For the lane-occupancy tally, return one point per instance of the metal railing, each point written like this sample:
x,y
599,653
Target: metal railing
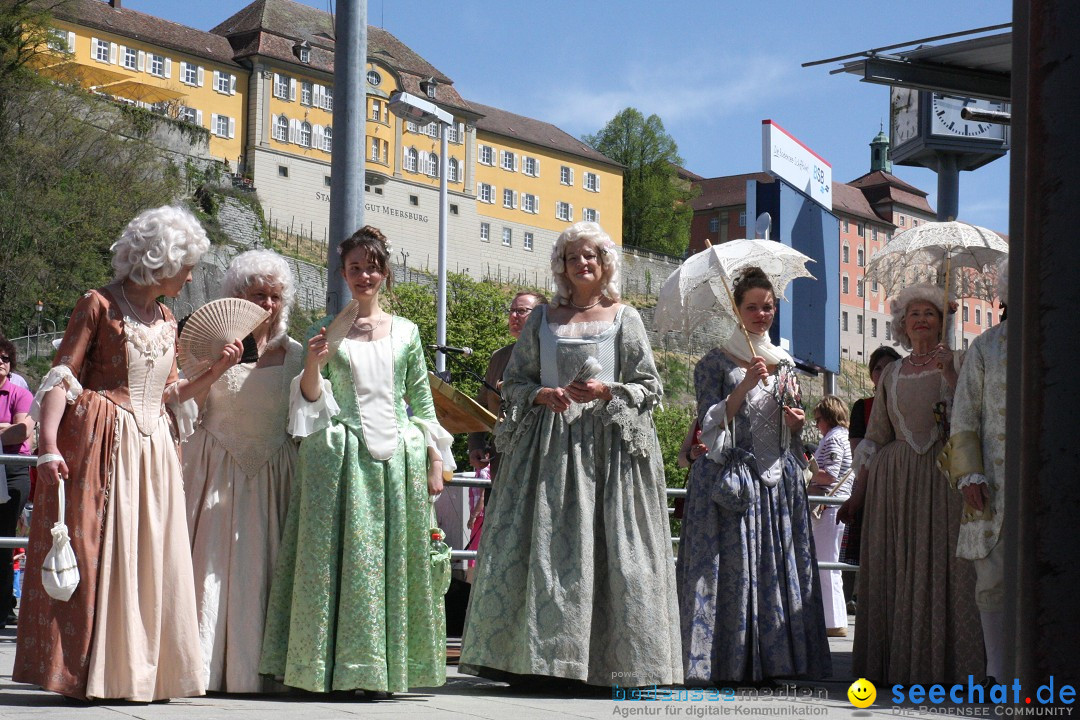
x,y
458,481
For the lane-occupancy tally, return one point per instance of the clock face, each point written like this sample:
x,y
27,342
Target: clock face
x,y
905,114
945,118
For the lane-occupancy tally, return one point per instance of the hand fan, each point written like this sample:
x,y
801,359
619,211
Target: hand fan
x,y
340,325
213,326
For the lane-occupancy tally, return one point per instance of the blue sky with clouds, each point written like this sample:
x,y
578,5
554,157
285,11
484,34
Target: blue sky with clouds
x,y
711,69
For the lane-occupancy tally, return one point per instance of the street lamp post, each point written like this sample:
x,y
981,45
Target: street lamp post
x,y
409,106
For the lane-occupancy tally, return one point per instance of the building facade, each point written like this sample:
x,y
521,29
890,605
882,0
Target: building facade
x,y
870,210
262,83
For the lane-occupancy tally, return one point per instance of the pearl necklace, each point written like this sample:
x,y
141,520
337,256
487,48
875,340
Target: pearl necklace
x,y
135,312
585,307
922,364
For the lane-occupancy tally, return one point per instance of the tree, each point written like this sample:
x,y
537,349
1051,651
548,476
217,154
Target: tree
x,y
656,202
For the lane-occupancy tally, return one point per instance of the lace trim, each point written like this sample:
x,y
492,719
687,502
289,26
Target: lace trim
x,y
863,455
152,342
892,399
59,375
580,329
972,479
634,421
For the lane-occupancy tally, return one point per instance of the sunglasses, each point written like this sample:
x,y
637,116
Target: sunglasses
x,y
5,358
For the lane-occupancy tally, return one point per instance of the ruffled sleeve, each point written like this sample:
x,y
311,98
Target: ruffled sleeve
x,y
307,417
639,389
418,393
59,375
186,415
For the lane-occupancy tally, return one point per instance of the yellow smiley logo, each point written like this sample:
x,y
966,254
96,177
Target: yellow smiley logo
x,y
862,693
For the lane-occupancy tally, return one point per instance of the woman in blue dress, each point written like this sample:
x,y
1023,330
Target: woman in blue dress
x,y
749,597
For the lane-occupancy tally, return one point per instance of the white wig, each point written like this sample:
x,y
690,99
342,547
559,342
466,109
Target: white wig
x,y
610,263
923,292
268,268
1003,281
157,244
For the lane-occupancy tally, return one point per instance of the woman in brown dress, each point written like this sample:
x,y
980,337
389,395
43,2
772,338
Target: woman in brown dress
x,y
130,630
915,621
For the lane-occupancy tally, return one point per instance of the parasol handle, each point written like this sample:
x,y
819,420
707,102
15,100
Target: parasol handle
x,y
945,306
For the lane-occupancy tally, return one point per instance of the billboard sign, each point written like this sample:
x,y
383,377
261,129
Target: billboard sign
x,y
785,157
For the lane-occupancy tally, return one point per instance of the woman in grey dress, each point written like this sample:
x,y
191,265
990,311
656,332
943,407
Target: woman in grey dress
x,y
748,582
575,578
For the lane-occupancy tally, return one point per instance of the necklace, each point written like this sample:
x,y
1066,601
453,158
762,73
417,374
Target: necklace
x,y
590,306
368,327
926,362
135,312
920,355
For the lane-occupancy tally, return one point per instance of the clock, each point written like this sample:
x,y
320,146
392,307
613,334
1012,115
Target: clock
x,y
905,114
946,120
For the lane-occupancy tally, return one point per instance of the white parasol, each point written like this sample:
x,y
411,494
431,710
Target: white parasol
x,y
699,291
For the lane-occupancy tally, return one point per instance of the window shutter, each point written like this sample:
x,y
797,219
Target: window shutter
x,y
71,42
119,54
112,53
168,67
183,71
571,176
217,73
232,127
93,48
213,123
316,136
232,84
515,199
198,117
142,61
292,89
536,205
404,157
293,130
200,76
570,217
517,162
598,184
494,193
536,167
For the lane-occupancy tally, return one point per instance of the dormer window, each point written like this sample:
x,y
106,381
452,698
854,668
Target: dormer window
x,y
374,78
428,87
302,50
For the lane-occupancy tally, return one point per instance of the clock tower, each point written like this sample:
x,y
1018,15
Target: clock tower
x,y
929,130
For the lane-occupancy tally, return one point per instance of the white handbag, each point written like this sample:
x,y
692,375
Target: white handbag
x,y
60,572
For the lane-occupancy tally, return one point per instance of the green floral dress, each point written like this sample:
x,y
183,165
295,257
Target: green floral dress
x,y
354,604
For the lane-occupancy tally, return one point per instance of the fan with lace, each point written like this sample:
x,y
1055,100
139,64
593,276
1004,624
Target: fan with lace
x,y
213,326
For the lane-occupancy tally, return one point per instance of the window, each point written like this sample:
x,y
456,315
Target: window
x,y
487,155
328,138
532,167
990,318
847,254
859,288
157,65
379,150
873,327
186,114
432,129
529,204
485,192
509,198
860,257
566,175
306,92
914,223
902,219
327,181
846,229
591,182
131,58
328,99
859,324
589,215
508,162
412,160
564,211
507,237
714,224
281,129
485,232
873,234
874,286
101,51
844,285
222,125
453,134
189,74
742,219
377,111
303,53
374,78
965,343
281,86
58,41
978,316
305,134
411,126
965,313
453,170
860,230
414,200
223,82
432,168
282,171
888,330
843,321
527,243
453,209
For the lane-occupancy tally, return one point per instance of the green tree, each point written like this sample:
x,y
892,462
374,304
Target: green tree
x,y
656,202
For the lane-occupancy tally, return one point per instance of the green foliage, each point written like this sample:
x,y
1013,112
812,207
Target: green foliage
x,y
71,177
671,426
656,209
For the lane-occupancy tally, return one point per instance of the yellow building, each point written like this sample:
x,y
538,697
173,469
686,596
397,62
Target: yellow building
x,y
137,58
262,83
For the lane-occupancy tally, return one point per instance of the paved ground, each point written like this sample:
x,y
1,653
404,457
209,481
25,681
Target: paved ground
x,y
462,696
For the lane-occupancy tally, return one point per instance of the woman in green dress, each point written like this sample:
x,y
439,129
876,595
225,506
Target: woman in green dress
x,y
353,605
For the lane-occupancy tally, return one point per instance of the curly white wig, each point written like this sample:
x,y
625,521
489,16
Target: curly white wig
x,y
157,244
1003,281
610,262
923,292
264,267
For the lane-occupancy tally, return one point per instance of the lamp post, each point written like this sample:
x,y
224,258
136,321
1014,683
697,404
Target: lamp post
x,y
408,106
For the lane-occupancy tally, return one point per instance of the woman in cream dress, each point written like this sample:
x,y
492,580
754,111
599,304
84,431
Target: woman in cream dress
x,y
130,630
238,468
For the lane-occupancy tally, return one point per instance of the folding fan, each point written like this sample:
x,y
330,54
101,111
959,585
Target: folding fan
x,y
213,326
339,327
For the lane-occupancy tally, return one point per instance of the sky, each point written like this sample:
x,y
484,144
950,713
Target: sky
x,y
712,70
